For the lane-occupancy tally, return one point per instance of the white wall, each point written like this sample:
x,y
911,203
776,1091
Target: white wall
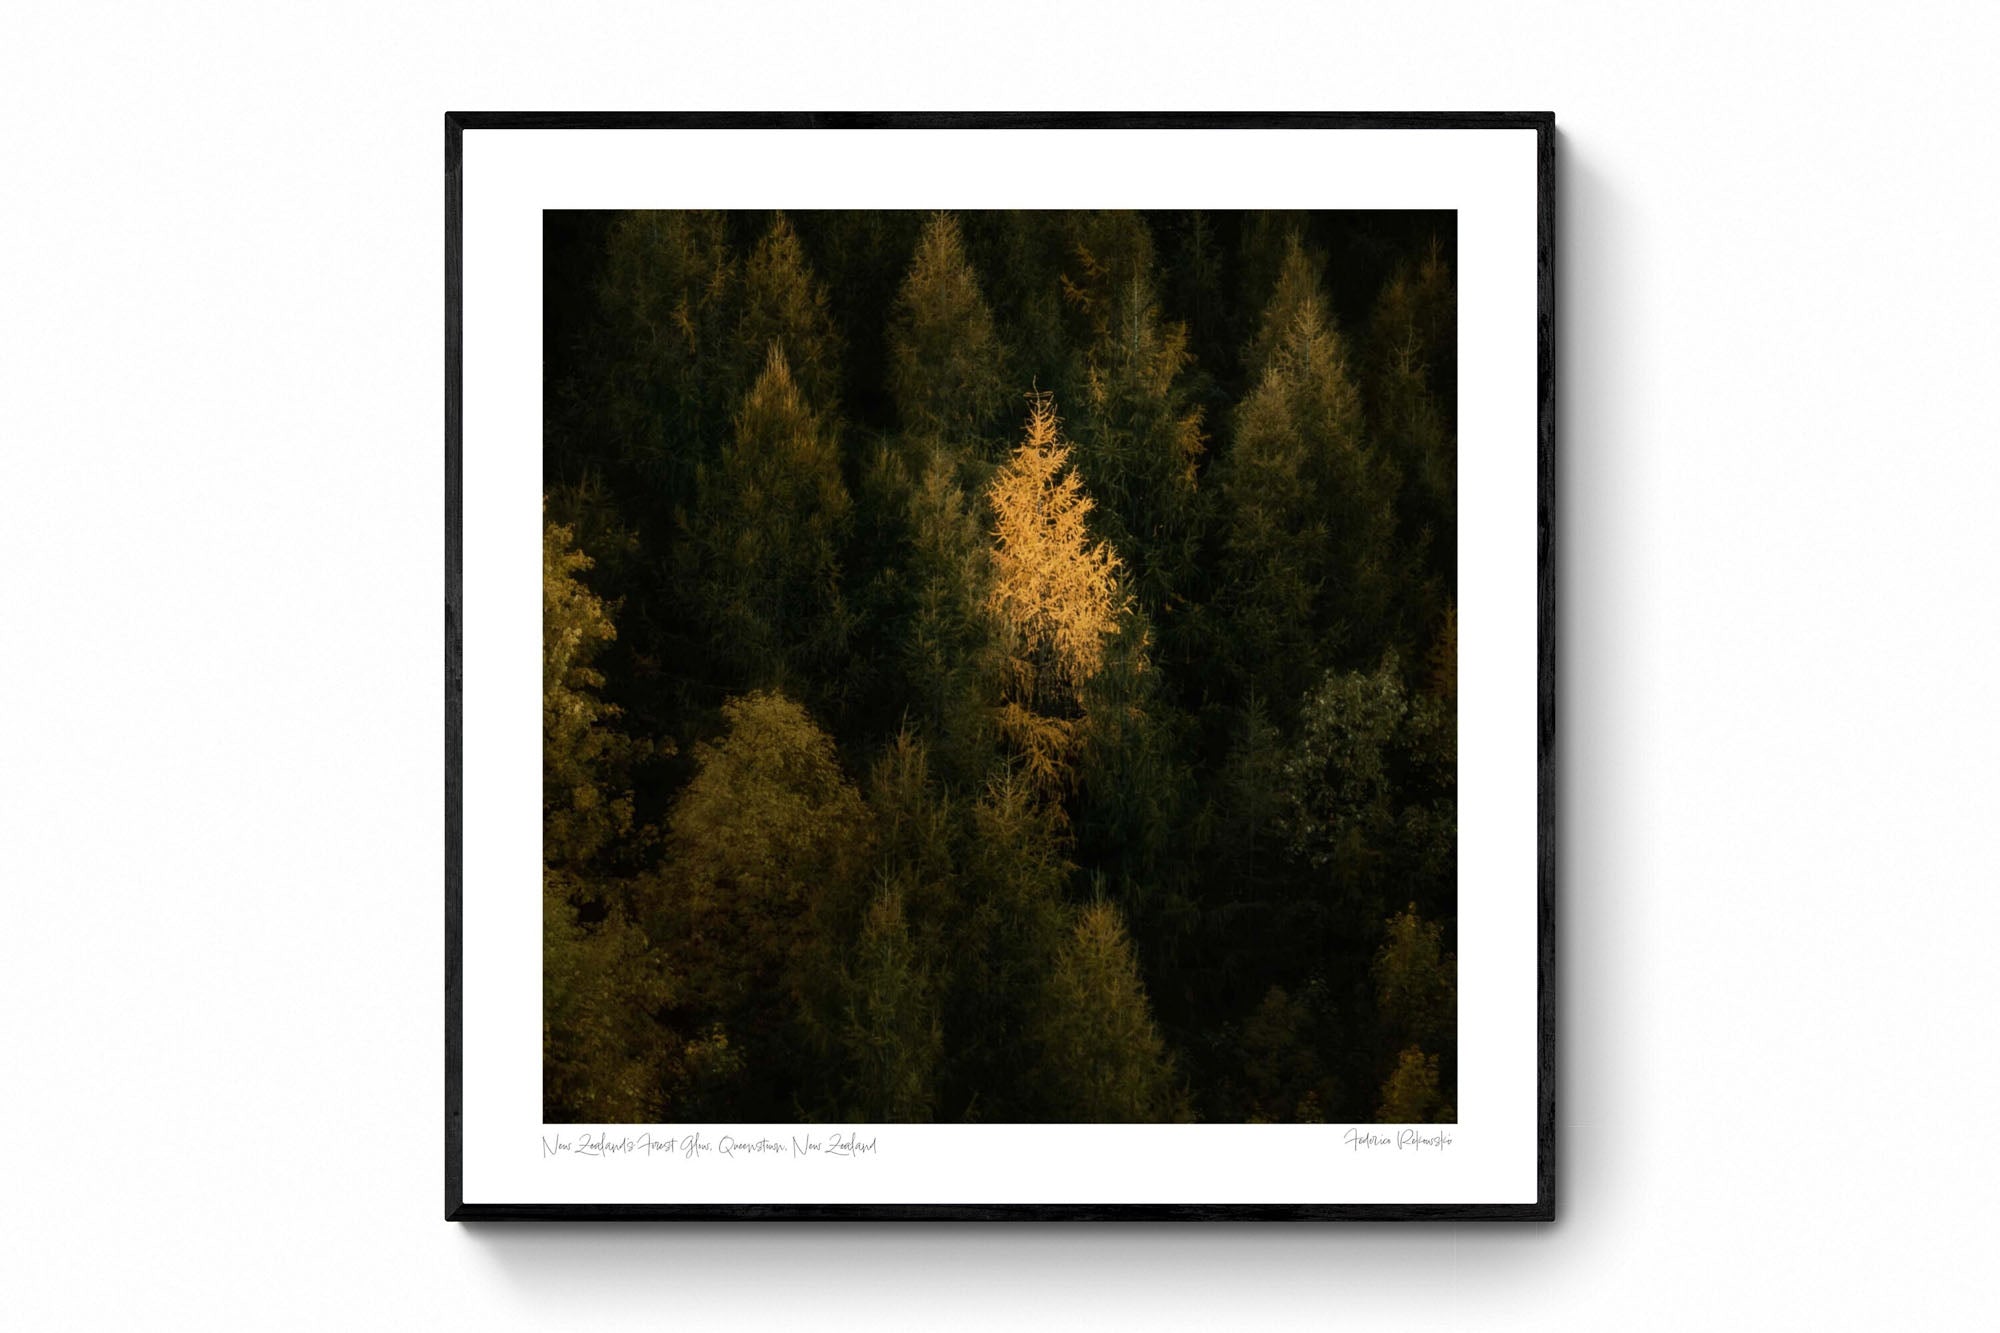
x,y
220,356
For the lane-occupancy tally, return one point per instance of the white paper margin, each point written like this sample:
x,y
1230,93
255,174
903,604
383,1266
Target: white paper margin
x,y
1488,176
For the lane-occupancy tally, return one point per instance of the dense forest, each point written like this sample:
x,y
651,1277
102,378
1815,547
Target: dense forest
x,y
999,667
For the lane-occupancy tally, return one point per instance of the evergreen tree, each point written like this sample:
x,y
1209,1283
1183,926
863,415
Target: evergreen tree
x,y
1275,270
1013,874
862,255
1199,269
918,831
1416,318
1021,254
1310,550
1139,437
889,1033
1416,981
1135,788
1102,1058
785,306
1297,297
665,374
1107,269
764,543
605,1058
1251,797
952,656
944,356
1413,390
767,849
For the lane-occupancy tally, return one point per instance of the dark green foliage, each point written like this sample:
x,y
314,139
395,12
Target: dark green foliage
x,y
1284,1073
1413,366
886,1026
766,859
1014,877
944,356
1101,1057
763,542
951,659
1311,557
785,307
1371,792
669,370
1138,430
913,753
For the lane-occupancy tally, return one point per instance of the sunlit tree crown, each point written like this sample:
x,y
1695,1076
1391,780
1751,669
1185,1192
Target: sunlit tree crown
x,y
1056,586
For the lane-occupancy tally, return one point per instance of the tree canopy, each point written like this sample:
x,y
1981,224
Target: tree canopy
x,y
999,666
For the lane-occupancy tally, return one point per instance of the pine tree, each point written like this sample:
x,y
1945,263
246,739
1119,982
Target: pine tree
x,y
785,306
1310,544
1134,784
889,1034
1199,266
952,655
1107,267
1416,317
945,359
1020,254
918,828
1003,945
1055,587
1279,274
765,539
767,849
1102,1058
666,374
1139,436
1412,374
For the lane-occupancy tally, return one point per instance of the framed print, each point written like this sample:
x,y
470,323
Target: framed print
x,y
1043,633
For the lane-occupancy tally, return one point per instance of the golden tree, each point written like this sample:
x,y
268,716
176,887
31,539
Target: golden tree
x,y
580,816
1057,591
1054,586
604,1056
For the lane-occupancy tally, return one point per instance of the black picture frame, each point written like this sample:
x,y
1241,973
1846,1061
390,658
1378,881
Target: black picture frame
x,y
456,124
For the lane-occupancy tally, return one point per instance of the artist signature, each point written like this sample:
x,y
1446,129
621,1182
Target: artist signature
x,y
1401,1140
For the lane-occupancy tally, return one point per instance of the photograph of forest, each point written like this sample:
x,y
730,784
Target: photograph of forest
x,y
999,667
